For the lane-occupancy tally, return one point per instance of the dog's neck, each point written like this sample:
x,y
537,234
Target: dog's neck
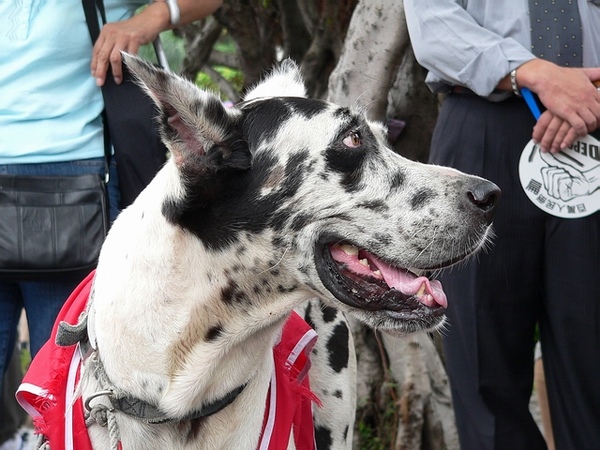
x,y
192,347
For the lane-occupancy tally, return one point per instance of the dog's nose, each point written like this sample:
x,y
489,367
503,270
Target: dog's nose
x,y
484,196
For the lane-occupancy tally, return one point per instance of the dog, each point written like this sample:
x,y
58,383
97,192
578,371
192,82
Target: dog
x,y
279,203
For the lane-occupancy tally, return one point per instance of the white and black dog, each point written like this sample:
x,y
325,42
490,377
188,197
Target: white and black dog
x,y
261,208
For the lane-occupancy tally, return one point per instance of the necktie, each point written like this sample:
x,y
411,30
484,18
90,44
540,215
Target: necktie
x,y
556,31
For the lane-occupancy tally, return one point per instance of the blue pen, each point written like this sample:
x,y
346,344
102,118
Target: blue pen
x,y
530,100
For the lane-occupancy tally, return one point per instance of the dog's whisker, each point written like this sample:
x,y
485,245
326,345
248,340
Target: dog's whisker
x,y
277,263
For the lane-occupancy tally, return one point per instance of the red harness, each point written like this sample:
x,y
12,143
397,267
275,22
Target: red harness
x,y
47,392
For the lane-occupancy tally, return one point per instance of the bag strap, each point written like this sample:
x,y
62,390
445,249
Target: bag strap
x,y
90,9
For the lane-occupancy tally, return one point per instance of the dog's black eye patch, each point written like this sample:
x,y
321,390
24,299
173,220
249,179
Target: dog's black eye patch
x,y
349,160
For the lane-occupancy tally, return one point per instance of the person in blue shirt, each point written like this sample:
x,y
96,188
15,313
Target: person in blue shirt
x,y
539,269
50,107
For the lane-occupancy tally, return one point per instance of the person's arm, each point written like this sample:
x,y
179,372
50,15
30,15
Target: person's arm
x,y
571,100
143,28
449,42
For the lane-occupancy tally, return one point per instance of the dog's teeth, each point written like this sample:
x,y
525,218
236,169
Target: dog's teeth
x,y
421,290
349,249
364,262
377,273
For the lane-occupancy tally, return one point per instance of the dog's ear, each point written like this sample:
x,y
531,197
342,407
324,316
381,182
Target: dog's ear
x,y
198,130
284,81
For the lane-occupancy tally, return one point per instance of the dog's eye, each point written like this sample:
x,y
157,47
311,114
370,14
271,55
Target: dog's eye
x,y
353,140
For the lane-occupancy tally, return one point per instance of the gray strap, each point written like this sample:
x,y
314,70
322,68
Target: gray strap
x,y
68,334
151,414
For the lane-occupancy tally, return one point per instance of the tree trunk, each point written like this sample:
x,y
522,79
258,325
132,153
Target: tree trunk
x,y
426,419
199,38
376,40
411,101
254,26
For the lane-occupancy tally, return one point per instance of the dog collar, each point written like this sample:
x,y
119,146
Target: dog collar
x,y
132,406
145,411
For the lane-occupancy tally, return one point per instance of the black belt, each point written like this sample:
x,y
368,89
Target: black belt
x,y
461,90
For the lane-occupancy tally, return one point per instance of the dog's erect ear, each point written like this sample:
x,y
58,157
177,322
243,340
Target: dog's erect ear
x,y
284,81
194,124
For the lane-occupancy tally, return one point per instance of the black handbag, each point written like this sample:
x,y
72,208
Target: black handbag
x,y
130,114
51,227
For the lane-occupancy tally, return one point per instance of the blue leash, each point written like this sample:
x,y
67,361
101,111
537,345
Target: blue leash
x,y
530,100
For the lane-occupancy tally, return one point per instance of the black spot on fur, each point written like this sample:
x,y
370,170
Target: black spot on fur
x,y
338,394
421,198
374,205
294,176
190,430
300,221
308,108
279,219
383,238
265,117
213,333
232,294
329,313
308,316
286,289
343,113
323,438
398,180
337,348
324,176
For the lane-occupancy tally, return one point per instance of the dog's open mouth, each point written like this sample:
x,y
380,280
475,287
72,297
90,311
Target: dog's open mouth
x,y
362,280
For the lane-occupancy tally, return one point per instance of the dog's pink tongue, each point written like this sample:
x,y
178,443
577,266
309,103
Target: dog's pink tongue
x,y
428,292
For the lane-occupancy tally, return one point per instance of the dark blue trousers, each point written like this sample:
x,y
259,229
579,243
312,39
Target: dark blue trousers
x,y
540,269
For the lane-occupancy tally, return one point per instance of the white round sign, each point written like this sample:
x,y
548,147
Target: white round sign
x,y
565,184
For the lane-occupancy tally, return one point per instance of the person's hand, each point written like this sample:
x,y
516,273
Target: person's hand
x,y
125,36
143,28
553,134
571,100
